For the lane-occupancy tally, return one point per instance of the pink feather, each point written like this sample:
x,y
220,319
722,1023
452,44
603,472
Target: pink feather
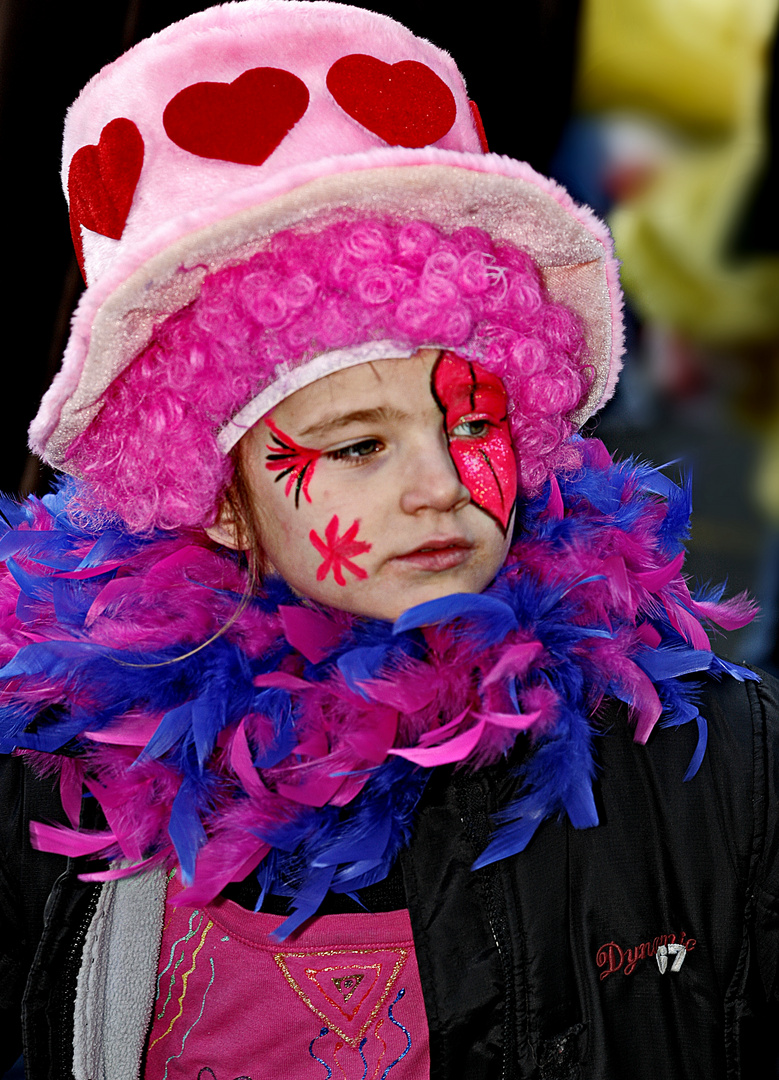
x,y
554,508
135,732
655,580
649,635
71,787
512,721
241,761
372,743
63,841
282,681
729,614
117,872
310,632
622,594
113,801
90,571
412,691
219,864
515,662
646,704
448,753
315,790
316,745
687,625
438,734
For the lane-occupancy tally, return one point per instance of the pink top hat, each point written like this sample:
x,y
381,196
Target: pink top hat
x,y
191,150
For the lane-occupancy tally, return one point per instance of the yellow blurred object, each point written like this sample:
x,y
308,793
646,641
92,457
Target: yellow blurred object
x,y
691,61
673,240
767,478
700,67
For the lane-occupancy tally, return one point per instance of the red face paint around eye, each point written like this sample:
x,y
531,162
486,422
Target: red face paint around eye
x,y
337,551
475,407
289,459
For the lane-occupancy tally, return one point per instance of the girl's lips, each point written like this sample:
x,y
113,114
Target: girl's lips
x,y
437,555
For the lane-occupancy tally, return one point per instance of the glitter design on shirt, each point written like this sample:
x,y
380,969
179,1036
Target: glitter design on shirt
x,y
314,976
401,993
182,1002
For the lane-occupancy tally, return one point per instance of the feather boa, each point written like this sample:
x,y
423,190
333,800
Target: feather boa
x,y
224,734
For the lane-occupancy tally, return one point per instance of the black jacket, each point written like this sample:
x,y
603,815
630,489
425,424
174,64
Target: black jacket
x,y
646,947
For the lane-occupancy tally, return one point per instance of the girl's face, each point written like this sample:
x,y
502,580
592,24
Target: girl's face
x,y
387,484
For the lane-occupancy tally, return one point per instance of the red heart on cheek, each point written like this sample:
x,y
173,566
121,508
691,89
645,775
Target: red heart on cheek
x,y
405,104
242,121
101,182
475,406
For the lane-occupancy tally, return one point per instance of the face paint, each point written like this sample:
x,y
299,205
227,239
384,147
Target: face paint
x,y
336,551
292,460
475,406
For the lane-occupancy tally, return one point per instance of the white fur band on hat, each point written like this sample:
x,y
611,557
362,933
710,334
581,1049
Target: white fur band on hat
x,y
294,379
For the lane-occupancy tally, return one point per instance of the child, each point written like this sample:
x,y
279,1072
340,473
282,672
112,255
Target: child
x,y
340,645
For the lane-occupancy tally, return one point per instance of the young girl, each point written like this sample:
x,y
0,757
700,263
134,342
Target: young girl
x,y
339,642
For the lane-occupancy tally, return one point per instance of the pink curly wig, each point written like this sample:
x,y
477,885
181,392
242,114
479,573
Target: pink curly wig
x,y
152,456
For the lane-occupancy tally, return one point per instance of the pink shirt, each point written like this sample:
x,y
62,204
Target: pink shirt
x,y
341,999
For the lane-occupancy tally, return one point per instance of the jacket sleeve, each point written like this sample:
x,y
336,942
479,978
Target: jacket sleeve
x,y
26,879
765,886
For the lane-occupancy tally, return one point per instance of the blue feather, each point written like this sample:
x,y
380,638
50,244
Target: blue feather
x,y
354,847
277,706
677,713
31,585
670,663
73,598
186,829
361,665
46,548
209,717
700,749
307,901
509,840
49,738
580,804
110,545
491,618
652,479
737,671
172,728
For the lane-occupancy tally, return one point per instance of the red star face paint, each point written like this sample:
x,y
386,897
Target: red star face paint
x,y
292,460
337,551
475,408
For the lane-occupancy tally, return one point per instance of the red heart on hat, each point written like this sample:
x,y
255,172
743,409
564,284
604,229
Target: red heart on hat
x,y
405,104
242,121
101,182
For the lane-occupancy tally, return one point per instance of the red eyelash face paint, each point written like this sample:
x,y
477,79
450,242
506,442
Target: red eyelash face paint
x,y
468,394
292,460
337,551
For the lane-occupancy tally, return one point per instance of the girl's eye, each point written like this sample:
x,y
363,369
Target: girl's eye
x,y
356,451
470,429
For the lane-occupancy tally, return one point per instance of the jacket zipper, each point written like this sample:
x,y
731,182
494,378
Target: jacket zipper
x,y
67,999
474,815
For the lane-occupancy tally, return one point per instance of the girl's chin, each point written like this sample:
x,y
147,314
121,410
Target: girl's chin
x,y
389,609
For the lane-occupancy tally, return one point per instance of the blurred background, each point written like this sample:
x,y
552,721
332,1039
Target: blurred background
x,y
660,114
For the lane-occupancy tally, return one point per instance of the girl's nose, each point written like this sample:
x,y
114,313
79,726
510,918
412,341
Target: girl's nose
x,y
432,482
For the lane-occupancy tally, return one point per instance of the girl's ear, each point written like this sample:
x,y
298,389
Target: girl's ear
x,y
227,530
